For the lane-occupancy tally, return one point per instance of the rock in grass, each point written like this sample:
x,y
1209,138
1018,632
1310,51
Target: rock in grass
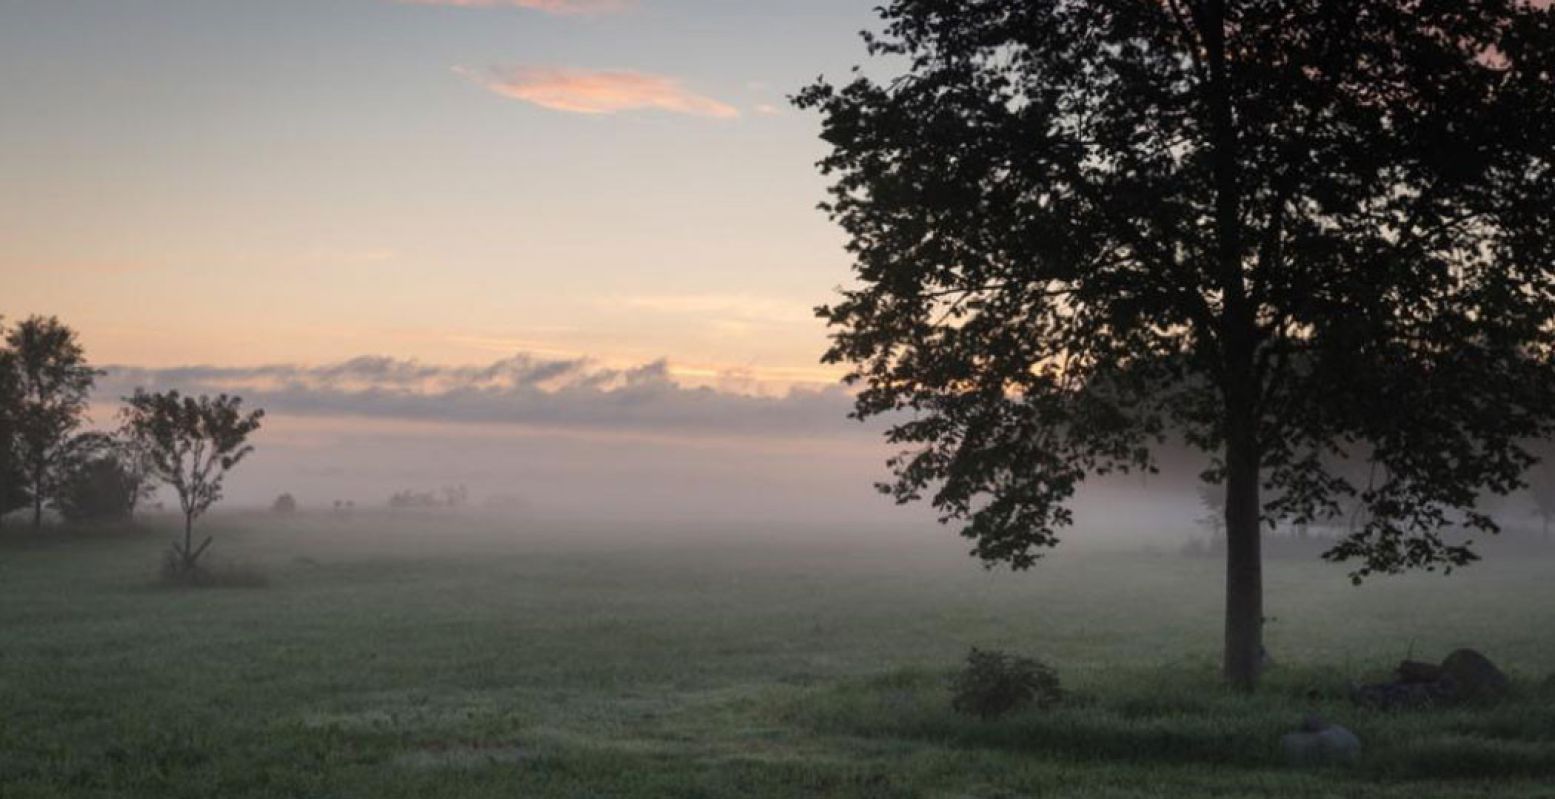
x,y
1475,676
1319,743
1405,695
1414,671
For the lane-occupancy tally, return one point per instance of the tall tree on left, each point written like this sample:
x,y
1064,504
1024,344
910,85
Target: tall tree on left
x,y
53,384
13,494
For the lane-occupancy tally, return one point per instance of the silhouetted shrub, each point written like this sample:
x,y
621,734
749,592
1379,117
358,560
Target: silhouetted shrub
x,y
285,503
177,573
98,488
993,684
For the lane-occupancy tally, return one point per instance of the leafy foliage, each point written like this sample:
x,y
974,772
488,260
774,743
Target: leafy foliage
x,y
1318,235
994,684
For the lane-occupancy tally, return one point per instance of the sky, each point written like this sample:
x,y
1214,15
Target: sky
x,y
305,181
562,251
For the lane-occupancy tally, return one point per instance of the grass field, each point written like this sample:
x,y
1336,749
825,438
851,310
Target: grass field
x,y
432,656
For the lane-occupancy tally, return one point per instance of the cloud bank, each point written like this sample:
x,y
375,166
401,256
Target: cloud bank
x,y
564,394
596,92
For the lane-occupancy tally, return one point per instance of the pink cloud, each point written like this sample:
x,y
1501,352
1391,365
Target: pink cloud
x,y
548,6
582,91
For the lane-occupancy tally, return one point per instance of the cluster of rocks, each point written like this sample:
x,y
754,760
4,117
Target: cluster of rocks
x,y
1464,675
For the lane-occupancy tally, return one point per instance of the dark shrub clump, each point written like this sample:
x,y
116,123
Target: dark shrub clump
x,y
994,683
176,573
100,490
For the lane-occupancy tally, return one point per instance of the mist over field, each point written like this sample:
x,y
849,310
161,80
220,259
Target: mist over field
x,y
566,438
530,437
801,478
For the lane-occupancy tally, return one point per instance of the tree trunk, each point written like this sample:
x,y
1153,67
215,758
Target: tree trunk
x,y
1240,382
1244,565
188,541
37,490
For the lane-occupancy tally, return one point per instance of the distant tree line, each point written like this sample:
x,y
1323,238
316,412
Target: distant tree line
x,y
48,461
450,497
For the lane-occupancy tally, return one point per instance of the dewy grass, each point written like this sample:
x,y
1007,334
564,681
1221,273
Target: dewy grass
x,y
452,657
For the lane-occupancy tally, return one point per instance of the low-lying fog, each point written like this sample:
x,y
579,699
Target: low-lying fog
x,y
570,438
544,438
797,481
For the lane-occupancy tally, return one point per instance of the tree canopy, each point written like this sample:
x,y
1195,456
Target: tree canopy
x,y
1300,234
49,386
190,444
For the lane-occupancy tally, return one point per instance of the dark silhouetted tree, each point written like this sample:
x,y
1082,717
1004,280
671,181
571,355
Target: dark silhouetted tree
x,y
190,444
13,491
53,382
1295,232
285,503
100,482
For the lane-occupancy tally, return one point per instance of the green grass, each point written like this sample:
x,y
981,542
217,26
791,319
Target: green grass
x,y
427,656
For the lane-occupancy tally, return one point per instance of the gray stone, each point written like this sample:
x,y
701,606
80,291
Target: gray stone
x,y
1405,695
1475,676
1414,671
1319,743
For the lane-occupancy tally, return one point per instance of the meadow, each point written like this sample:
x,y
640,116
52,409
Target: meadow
x,y
440,655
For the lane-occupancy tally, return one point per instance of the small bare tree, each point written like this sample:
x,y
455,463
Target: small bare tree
x,y
190,444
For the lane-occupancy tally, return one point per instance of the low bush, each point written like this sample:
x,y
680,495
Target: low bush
x,y
177,574
98,490
994,684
